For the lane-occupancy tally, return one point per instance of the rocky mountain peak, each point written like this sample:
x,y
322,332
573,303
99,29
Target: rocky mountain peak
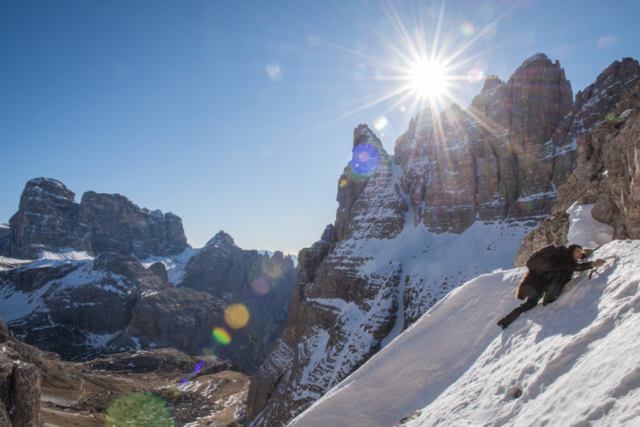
x,y
221,239
49,186
490,83
537,60
49,219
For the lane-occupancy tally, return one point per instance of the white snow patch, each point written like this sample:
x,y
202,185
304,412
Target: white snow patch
x,y
100,341
626,113
586,231
60,257
174,264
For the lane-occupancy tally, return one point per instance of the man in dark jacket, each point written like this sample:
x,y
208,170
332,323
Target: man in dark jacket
x,y
548,279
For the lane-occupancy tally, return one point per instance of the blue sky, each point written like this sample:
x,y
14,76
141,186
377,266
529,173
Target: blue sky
x,y
239,115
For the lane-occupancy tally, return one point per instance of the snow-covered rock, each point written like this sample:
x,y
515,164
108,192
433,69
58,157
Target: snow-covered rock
x,y
80,306
570,363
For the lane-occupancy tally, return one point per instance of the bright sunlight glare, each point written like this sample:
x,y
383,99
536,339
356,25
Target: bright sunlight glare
x,y
428,78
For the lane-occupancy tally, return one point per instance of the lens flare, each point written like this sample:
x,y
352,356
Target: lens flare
x,y
380,123
466,29
489,31
139,409
274,72
260,287
403,109
343,182
365,159
475,75
606,42
198,367
209,354
481,65
274,272
221,336
236,316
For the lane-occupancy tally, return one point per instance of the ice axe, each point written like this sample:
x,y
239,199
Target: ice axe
x,y
614,257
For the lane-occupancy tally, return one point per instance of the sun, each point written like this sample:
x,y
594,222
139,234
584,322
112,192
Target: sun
x,y
428,78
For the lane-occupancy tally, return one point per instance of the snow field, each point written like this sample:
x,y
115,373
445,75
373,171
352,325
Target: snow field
x,y
572,363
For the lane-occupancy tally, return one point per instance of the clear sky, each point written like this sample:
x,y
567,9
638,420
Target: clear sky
x,y
239,115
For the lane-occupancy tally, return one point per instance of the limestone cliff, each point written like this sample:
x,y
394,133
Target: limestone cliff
x,y
49,219
463,166
607,175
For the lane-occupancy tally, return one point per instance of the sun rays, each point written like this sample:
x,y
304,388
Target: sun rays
x,y
429,79
423,62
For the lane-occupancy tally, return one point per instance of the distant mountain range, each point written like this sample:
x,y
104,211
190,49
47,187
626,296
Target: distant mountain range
x,y
104,275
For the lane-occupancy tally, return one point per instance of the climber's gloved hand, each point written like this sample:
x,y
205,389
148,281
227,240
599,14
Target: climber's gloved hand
x,y
586,252
598,263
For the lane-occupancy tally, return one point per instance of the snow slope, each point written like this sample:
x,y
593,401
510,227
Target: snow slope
x,y
573,362
175,264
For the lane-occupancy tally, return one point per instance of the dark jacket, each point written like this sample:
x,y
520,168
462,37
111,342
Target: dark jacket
x,y
556,269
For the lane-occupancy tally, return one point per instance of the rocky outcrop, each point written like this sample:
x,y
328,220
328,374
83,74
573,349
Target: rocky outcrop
x,y
5,240
184,319
20,383
607,175
558,156
49,219
81,309
262,283
360,213
338,314
116,224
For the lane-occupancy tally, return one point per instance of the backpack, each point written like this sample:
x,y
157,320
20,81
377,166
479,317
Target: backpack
x,y
535,261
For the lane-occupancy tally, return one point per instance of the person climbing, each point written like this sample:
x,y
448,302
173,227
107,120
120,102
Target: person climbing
x,y
549,270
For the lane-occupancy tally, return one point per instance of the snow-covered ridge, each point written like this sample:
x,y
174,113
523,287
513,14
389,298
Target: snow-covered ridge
x,y
174,264
570,363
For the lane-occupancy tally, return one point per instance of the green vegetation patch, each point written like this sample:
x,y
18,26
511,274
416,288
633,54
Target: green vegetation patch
x,y
139,410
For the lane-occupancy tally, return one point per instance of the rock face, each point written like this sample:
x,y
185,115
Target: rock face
x,y
557,158
262,283
462,191
49,219
473,164
607,175
84,308
20,383
359,212
116,224
5,240
329,286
